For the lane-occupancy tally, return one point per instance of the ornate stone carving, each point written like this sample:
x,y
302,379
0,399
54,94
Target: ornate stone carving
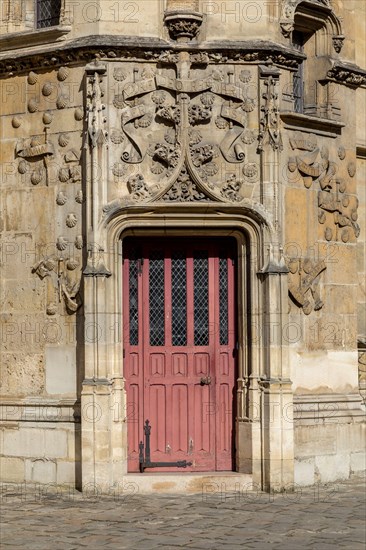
x,y
67,288
347,74
33,105
119,74
47,117
16,121
314,166
84,52
43,267
61,243
47,89
351,169
231,189
183,25
79,114
184,190
344,210
304,276
79,242
188,107
36,149
32,78
341,152
63,140
71,220
137,187
287,19
269,132
62,102
95,106
61,198
79,197
62,73
338,42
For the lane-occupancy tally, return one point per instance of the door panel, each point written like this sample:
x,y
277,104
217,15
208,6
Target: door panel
x,y
179,343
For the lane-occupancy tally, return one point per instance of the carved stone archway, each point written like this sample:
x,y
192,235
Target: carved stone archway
x,y
264,435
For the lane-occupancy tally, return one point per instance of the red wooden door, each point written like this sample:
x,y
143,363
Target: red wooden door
x,y
179,343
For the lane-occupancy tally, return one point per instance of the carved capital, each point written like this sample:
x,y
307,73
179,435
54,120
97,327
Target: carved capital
x,y
183,25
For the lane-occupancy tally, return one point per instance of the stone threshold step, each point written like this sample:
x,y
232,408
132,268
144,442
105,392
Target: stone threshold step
x,y
190,482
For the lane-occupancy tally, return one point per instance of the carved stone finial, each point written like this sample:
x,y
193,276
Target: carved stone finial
x,y
183,25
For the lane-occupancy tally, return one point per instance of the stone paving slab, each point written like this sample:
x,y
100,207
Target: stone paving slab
x,y
325,516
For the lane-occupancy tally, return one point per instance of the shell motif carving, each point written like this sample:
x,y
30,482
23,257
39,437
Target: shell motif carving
x,y
72,264
250,170
61,198
119,74
64,174
32,106
119,169
62,102
22,167
351,169
62,73
36,177
47,89
63,140
16,122
117,137
47,118
71,220
79,197
61,243
79,114
341,152
32,78
79,242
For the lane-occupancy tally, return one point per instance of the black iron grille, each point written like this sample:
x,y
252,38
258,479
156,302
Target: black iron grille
x,y
156,298
133,296
179,299
48,13
223,298
200,271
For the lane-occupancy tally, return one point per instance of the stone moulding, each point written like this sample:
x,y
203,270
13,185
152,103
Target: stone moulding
x,y
86,49
347,74
321,10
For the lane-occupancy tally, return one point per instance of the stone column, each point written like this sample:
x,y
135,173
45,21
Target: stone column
x,y
275,383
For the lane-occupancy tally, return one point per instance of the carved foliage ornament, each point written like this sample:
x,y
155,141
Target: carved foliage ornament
x,y
196,126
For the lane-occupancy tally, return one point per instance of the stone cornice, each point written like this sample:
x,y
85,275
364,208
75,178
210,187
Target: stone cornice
x,y
29,38
115,47
347,74
321,126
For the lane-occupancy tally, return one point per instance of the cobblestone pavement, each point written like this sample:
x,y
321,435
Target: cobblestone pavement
x,y
331,516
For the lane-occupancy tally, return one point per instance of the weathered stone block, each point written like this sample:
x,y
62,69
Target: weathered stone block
x,y
332,467
304,472
11,469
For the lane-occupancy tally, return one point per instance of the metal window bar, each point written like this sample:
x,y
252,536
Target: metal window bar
x,y
48,13
298,76
157,298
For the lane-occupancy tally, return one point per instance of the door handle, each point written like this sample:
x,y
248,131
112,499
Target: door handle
x,y
205,381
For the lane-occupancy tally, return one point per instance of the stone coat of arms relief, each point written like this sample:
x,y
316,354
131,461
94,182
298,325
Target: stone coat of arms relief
x,y
185,132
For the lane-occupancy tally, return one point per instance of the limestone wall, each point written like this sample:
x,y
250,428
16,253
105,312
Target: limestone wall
x,y
97,130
